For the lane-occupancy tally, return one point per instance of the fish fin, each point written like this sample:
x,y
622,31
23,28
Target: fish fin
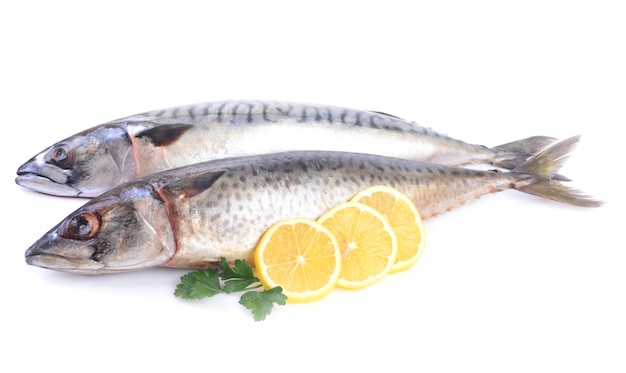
x,y
515,153
544,166
191,186
385,114
556,191
166,134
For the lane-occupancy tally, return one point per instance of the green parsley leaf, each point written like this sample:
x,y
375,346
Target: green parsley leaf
x,y
232,286
240,270
199,284
261,302
237,278
240,277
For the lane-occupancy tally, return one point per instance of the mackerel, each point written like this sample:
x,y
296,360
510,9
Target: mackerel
x,y
95,160
191,217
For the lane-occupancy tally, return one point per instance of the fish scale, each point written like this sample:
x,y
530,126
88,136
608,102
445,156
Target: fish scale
x,y
237,112
227,219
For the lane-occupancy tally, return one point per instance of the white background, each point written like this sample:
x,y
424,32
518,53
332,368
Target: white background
x,y
508,283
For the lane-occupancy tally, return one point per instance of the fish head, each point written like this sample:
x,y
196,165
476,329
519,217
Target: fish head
x,y
83,165
124,230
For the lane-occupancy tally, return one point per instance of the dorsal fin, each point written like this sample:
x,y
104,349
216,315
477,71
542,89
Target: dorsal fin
x,y
381,113
166,134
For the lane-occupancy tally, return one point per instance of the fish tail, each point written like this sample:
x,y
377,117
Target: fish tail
x,y
546,182
514,154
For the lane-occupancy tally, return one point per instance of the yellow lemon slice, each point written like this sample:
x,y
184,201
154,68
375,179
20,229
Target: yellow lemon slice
x,y
366,241
301,256
404,219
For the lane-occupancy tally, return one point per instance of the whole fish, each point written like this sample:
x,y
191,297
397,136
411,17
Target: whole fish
x,y
191,217
110,154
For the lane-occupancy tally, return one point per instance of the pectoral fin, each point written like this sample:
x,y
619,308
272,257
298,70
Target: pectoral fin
x,y
193,185
166,134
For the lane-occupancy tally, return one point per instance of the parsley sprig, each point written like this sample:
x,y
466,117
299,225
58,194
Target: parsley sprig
x,y
226,279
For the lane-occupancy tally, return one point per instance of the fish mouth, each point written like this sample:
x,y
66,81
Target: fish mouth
x,y
48,253
54,253
75,266
45,178
63,264
46,185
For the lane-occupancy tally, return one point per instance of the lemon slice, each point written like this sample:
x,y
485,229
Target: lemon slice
x,y
404,219
301,256
366,241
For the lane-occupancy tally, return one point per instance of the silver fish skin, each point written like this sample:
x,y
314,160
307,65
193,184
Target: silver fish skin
x,y
191,217
93,161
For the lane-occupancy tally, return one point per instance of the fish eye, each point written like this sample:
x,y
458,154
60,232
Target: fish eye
x,y
83,226
61,156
